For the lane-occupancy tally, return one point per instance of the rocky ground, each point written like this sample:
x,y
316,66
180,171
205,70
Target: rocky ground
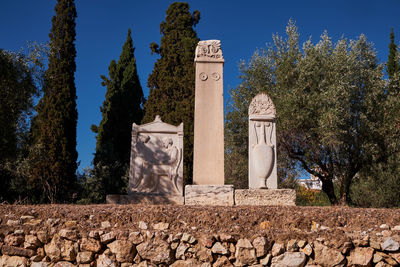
x,y
144,235
277,222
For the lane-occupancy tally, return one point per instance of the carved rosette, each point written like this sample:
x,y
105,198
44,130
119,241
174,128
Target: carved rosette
x,y
262,105
209,50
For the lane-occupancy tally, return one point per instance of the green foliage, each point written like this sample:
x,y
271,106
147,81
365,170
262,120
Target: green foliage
x,y
53,155
171,83
333,109
392,65
20,80
121,107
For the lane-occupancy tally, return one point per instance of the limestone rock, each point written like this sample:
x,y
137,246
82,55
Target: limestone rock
x,y
396,228
69,234
13,261
53,249
180,251
277,249
379,256
63,264
185,263
105,261
13,222
327,256
43,236
261,245
289,259
108,237
161,226
301,243
395,256
307,250
245,253
124,250
143,225
136,238
361,256
226,238
218,248
14,240
204,254
90,244
188,238
69,250
70,224
382,264
105,224
292,246
155,250
222,262
33,222
390,245
384,227
31,242
39,264
17,251
266,260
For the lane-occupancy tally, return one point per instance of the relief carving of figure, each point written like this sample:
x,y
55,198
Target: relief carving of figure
x,y
152,165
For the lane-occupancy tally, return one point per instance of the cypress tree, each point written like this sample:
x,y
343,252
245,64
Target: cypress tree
x,y
392,65
121,107
54,155
172,81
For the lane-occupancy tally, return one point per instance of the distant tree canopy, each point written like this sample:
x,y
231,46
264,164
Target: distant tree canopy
x,y
171,83
122,106
53,157
335,112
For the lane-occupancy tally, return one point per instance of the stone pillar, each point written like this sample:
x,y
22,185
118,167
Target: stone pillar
x,y
208,158
262,143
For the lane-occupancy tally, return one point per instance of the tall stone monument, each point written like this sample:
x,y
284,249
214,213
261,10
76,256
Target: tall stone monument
x,y
263,178
262,143
208,159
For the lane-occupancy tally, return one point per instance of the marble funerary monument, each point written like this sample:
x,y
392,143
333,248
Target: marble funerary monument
x,y
156,166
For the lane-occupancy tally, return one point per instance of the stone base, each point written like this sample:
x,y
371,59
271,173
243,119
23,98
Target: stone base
x,y
265,197
213,195
145,198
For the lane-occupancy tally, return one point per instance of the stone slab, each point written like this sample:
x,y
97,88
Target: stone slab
x,y
213,195
145,198
265,197
208,150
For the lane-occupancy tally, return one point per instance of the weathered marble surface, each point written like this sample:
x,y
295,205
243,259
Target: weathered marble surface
x,y
262,143
214,195
208,154
156,164
265,197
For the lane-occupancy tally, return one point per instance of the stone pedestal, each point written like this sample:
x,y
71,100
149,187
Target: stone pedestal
x,y
265,197
208,158
213,195
145,198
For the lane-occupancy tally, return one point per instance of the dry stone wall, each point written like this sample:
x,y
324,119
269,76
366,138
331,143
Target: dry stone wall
x,y
62,244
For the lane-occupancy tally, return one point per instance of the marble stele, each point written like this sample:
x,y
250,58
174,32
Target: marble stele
x,y
156,164
262,143
208,154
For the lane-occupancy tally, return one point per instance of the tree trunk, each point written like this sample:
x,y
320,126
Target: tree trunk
x,y
345,190
327,187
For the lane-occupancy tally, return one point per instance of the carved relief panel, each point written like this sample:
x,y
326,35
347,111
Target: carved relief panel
x,y
262,143
156,164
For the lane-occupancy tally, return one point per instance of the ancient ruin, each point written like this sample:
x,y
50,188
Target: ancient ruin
x,y
262,143
208,159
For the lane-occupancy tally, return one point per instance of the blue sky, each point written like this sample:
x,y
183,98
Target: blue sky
x,y
242,27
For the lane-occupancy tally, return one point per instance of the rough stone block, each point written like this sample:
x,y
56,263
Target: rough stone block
x,y
265,197
145,198
216,195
